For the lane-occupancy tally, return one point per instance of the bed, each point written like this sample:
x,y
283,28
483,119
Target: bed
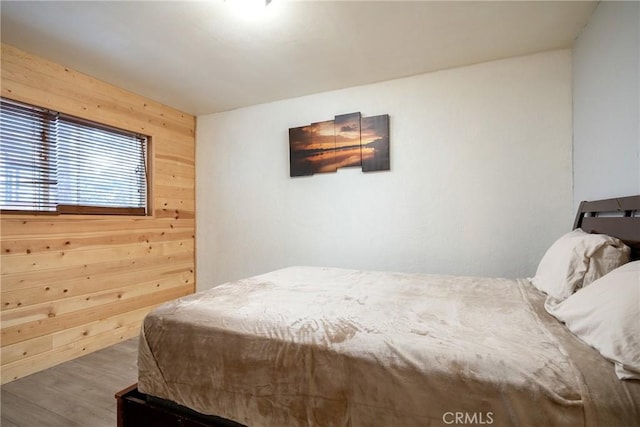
x,y
334,347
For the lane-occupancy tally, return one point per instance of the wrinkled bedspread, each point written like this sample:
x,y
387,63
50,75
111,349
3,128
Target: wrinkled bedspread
x,y
308,346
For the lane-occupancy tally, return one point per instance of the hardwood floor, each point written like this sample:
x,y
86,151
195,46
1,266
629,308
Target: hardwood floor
x,y
76,393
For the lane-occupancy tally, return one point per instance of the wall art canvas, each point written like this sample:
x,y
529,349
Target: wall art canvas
x,y
375,143
347,127
348,140
312,149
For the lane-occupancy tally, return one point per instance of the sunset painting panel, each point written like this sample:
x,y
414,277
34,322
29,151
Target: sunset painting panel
x,y
312,149
375,143
347,128
348,140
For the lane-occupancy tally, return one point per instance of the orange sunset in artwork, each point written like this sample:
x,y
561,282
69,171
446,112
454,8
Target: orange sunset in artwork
x,y
375,143
347,128
312,149
348,140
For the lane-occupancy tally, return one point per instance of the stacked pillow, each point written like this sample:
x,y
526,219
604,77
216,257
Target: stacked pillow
x,y
606,315
595,291
577,259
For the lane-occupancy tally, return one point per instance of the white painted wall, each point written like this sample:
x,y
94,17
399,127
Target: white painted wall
x,y
606,104
480,180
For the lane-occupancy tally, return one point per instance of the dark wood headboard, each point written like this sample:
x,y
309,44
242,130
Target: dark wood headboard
x,y
615,217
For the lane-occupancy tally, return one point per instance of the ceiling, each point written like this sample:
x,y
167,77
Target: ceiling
x,y
200,57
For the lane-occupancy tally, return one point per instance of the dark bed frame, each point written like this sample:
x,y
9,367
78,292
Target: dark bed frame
x,y
618,217
615,217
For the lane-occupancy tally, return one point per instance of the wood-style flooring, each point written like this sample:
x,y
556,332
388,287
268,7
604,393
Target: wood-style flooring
x,y
76,393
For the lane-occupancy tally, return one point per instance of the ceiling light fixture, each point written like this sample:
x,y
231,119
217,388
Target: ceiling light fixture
x,y
249,9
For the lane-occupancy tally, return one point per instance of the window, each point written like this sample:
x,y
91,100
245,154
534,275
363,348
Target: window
x,y
52,162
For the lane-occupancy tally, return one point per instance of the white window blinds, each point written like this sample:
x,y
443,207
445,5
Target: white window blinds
x,y
52,162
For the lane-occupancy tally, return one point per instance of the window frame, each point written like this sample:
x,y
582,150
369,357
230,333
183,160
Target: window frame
x,y
80,209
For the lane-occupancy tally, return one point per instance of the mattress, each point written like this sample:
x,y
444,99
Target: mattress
x,y
307,346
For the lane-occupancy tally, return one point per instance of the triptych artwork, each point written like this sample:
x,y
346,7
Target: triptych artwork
x,y
346,141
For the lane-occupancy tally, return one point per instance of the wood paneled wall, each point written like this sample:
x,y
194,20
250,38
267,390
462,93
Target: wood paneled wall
x,y
74,284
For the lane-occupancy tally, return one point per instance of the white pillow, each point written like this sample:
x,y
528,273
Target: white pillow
x,y
606,315
577,259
